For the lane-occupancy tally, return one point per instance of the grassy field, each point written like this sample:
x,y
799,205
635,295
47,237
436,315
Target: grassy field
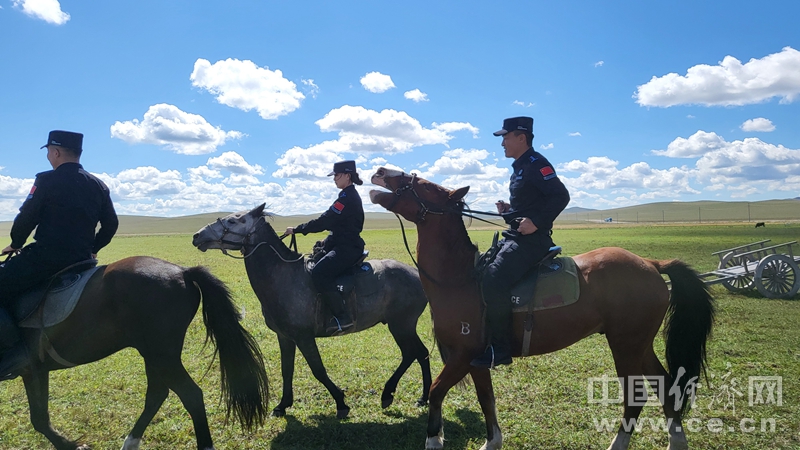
x,y
542,401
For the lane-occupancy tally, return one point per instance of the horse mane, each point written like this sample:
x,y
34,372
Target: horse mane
x,y
462,233
274,239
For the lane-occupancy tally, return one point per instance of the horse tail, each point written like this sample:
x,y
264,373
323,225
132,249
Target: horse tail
x,y
242,373
690,320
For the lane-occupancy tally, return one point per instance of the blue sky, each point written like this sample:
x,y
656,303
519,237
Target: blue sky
x,y
199,106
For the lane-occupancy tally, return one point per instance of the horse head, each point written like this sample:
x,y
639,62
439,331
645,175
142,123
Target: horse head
x,y
232,232
413,197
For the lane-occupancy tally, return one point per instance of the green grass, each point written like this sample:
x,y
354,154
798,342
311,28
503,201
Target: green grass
x,y
541,400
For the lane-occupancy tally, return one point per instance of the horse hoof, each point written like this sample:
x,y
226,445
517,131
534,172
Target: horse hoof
x,y
421,403
278,412
387,402
342,413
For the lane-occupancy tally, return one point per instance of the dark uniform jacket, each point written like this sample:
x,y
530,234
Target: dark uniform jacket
x,y
65,206
344,219
536,193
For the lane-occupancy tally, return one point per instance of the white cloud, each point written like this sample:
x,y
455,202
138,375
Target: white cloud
x,y
416,95
523,104
602,173
729,83
695,146
47,10
313,89
246,86
758,124
546,147
599,63
178,131
364,130
377,82
313,163
576,133
235,163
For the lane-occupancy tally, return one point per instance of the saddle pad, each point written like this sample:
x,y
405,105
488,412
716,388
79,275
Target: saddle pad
x,y
366,278
59,303
553,289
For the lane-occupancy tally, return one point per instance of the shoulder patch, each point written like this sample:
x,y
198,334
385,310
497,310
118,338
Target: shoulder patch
x,y
342,194
533,158
547,172
337,207
30,194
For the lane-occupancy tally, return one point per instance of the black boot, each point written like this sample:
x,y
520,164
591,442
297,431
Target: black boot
x,y
341,320
499,350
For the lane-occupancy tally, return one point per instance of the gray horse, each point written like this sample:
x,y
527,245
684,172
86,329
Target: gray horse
x,y
392,295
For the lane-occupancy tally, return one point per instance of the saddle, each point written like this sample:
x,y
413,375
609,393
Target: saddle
x,y
52,302
551,283
345,282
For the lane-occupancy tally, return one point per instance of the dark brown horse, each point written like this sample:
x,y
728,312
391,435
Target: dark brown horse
x,y
148,304
292,310
621,295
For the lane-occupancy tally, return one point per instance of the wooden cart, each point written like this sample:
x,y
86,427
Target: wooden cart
x,y
771,269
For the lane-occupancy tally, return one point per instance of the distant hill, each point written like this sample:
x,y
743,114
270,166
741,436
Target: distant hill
x,y
664,212
578,209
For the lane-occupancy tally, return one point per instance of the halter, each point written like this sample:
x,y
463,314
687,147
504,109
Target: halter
x,y
424,208
245,241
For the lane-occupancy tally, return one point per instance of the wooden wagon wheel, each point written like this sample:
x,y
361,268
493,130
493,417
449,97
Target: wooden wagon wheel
x,y
740,283
776,276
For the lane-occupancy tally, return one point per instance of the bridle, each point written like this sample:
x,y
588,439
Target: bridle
x,y
246,238
424,208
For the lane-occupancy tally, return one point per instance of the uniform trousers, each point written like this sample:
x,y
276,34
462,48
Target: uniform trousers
x,y
334,263
31,267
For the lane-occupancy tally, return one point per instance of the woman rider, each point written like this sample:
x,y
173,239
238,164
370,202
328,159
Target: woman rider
x,y
344,246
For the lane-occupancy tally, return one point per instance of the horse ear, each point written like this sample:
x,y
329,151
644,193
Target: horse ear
x,y
459,193
259,210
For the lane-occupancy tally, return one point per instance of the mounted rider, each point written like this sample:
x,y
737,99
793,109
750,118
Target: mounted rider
x,y
64,206
537,197
343,247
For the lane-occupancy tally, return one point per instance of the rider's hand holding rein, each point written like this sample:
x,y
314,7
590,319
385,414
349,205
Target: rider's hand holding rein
x,y
289,230
9,250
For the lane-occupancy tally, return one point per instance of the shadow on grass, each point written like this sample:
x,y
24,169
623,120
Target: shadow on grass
x,y
329,433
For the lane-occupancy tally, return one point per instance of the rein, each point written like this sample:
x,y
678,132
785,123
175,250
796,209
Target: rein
x,y
405,241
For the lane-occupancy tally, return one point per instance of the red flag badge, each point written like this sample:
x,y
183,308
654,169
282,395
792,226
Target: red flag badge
x,y
546,170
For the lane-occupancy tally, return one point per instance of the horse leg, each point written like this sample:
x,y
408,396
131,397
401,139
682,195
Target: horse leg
x,y
483,387
456,368
677,437
411,348
37,387
157,392
288,350
308,347
628,359
178,380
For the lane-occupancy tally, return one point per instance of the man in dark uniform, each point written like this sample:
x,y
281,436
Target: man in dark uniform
x,y
64,205
537,197
343,246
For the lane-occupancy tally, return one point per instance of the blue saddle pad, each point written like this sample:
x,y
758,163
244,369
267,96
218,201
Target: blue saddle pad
x,y
59,300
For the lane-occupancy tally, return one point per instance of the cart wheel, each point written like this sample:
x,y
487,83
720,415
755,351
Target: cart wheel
x,y
776,276
738,284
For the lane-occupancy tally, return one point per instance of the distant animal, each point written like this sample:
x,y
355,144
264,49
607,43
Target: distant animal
x,y
148,304
292,309
761,224
621,295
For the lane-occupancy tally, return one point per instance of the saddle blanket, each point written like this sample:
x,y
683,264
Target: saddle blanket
x,y
58,303
556,286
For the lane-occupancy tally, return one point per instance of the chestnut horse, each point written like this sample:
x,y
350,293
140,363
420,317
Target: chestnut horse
x,y
621,295
148,304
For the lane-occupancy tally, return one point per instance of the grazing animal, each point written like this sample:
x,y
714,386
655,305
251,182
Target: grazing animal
x,y
148,304
293,311
760,224
621,295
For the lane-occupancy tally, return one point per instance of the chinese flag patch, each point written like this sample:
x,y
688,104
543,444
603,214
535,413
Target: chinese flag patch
x,y
546,170
338,206
33,189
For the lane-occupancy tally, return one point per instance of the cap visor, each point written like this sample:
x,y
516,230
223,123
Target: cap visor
x,y
500,133
45,145
332,173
